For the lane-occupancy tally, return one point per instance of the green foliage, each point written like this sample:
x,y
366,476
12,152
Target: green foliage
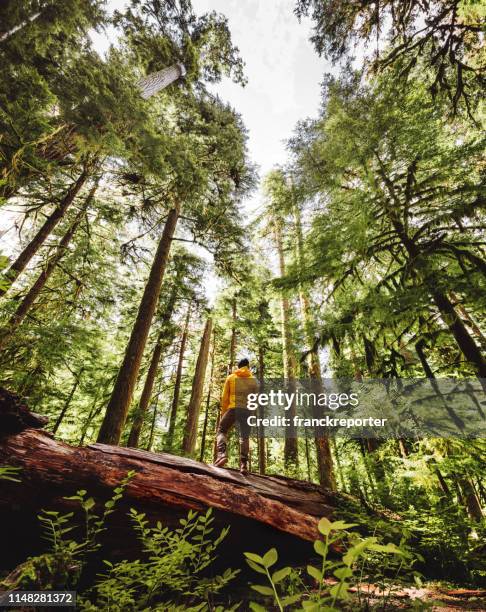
x,y
333,578
410,36
70,544
8,472
172,569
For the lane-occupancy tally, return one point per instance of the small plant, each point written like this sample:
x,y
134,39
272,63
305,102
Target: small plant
x,y
172,569
333,578
8,472
61,566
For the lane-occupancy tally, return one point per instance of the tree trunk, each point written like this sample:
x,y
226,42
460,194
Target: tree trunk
x,y
190,433
42,234
29,299
232,355
325,465
471,499
208,401
22,24
291,452
162,342
464,340
68,401
261,431
119,404
139,418
467,317
177,384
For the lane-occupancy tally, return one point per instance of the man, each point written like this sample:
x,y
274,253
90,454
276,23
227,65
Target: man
x,y
233,410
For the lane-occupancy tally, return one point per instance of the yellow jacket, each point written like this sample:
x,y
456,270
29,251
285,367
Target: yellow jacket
x,y
236,389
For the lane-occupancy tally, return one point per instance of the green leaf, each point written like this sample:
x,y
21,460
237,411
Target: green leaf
x,y
314,572
355,551
339,525
343,572
387,548
256,607
89,503
320,548
280,574
288,601
312,606
325,526
340,590
254,557
264,590
254,566
270,557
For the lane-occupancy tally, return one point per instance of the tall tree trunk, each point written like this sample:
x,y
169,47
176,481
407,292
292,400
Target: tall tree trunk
x,y
261,430
163,341
464,340
96,408
139,418
29,299
471,499
190,433
291,452
232,355
339,467
325,465
468,496
119,404
465,314
208,401
42,234
177,384
152,425
22,24
68,401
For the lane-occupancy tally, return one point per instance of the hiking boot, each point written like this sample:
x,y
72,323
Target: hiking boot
x,y
221,460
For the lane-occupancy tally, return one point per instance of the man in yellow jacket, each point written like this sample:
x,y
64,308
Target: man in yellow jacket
x,y
234,410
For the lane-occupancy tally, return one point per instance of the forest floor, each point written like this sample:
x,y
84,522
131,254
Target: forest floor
x,y
436,595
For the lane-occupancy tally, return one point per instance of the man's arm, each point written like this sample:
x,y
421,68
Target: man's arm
x,y
225,397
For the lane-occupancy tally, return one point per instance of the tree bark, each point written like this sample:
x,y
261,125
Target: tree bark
x,y
45,230
29,299
325,465
119,404
291,452
472,503
190,433
464,340
232,355
162,342
177,384
208,401
68,401
261,432
139,418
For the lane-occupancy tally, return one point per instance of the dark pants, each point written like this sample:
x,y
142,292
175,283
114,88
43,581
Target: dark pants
x,y
231,417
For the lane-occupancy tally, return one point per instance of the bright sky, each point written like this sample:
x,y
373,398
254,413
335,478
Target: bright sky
x,y
282,68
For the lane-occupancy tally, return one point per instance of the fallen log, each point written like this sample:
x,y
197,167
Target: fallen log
x,y
262,511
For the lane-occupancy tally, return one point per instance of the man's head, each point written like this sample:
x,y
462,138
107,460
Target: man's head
x,y
243,363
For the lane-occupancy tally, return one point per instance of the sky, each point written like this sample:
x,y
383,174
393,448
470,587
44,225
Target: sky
x,y
283,71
